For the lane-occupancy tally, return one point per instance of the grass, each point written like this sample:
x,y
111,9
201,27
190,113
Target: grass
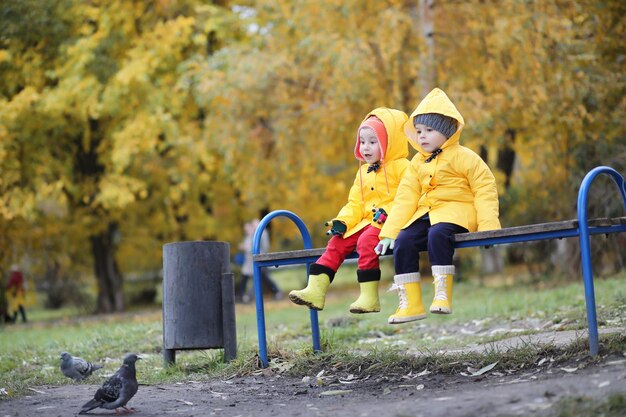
x,y
395,363
30,353
614,406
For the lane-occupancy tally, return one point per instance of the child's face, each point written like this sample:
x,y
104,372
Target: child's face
x,y
428,138
369,147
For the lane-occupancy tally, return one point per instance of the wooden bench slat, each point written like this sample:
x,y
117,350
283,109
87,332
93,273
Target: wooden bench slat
x,y
464,237
536,228
292,254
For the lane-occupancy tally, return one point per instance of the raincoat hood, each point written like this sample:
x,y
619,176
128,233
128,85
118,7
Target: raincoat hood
x,y
435,102
451,185
375,189
396,144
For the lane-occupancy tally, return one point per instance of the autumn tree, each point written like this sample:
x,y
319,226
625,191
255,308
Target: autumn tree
x,y
96,123
543,89
128,124
282,107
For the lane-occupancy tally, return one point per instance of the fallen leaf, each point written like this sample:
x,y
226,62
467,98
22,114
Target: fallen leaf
x,y
420,387
350,379
569,370
485,369
386,391
37,391
424,372
184,401
515,381
541,362
335,392
265,372
281,367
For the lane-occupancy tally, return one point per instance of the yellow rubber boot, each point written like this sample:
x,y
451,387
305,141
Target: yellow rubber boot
x,y
442,279
410,307
368,301
314,295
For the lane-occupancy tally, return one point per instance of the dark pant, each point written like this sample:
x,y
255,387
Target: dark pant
x,y
265,280
22,312
438,239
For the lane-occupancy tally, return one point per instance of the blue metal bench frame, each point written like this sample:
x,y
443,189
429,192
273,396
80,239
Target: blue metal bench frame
x,y
583,231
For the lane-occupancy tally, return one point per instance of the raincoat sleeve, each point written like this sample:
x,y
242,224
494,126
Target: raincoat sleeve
x,y
483,185
352,212
404,204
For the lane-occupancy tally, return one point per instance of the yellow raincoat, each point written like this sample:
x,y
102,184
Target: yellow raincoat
x,y
377,189
455,187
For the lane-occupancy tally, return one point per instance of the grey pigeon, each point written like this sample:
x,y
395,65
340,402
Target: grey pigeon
x,y
76,368
118,389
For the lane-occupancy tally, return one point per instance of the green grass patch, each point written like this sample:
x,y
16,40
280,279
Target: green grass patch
x,y
395,363
613,406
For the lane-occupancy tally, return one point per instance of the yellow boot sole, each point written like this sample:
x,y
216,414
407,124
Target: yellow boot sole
x,y
405,319
297,298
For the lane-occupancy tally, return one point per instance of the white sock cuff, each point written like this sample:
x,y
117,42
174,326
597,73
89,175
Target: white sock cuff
x,y
406,278
443,269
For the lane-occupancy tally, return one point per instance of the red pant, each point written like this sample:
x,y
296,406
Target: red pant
x,y
365,240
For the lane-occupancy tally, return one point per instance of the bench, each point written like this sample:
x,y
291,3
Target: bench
x,y
581,227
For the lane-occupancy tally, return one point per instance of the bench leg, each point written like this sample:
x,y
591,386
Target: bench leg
x,y
169,356
228,317
590,298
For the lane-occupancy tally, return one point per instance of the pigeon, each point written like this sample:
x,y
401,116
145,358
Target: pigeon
x,y
118,389
76,368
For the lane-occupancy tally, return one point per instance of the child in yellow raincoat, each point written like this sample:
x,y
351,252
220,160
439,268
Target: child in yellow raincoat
x,y
382,149
447,189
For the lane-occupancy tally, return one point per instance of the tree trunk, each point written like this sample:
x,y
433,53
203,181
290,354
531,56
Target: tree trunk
x,y
428,74
506,156
110,294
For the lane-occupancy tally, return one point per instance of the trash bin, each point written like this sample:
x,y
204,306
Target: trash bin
x,y
198,298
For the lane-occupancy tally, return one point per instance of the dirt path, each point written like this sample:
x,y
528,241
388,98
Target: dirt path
x,y
533,391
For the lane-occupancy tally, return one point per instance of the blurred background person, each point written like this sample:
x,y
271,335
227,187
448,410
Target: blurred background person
x,y
247,270
16,292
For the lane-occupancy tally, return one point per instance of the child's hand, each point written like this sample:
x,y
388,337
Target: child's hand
x,y
386,243
337,228
380,215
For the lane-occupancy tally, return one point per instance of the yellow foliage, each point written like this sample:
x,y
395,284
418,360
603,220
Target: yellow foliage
x,y
116,192
181,120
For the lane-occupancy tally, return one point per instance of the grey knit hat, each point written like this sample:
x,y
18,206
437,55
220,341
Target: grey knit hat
x,y
444,124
